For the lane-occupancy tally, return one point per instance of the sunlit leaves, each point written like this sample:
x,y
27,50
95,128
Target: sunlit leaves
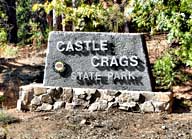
x,y
175,18
86,17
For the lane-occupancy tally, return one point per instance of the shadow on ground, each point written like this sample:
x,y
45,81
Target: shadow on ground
x,y
14,74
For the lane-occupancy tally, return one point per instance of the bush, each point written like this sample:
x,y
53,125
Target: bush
x,y
175,18
7,119
32,26
167,71
3,19
3,35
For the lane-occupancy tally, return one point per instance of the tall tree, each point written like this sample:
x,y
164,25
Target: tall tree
x,y
12,21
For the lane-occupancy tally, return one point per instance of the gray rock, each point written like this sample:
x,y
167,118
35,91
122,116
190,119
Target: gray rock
x,y
82,96
28,88
3,134
134,96
51,91
123,98
169,107
129,96
147,107
69,106
45,107
79,91
33,107
112,105
100,105
128,106
79,98
113,93
80,103
67,95
58,105
94,107
45,98
39,91
20,105
91,91
158,96
163,127
36,101
103,105
93,96
110,98
83,122
59,90
26,96
159,106
88,97
55,93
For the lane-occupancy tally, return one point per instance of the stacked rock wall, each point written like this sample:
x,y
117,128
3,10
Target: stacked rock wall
x,y
36,97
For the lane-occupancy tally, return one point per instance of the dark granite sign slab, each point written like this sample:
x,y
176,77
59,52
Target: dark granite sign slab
x,y
97,60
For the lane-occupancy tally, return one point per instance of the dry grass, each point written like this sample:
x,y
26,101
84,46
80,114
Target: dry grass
x,y
9,51
7,119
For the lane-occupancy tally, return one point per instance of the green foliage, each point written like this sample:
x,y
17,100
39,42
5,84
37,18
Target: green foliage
x,y
164,71
6,118
3,35
37,36
185,50
86,17
167,70
2,98
187,103
8,51
158,15
144,14
94,18
23,18
174,17
3,31
29,24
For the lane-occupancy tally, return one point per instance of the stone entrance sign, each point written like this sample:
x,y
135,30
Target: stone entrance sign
x,y
97,60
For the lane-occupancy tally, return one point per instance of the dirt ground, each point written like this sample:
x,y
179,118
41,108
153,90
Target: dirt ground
x,y
113,124
78,124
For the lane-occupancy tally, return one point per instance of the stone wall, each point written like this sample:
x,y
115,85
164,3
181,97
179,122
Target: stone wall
x,y
36,97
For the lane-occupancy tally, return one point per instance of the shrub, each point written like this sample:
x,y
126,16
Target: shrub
x,y
7,119
3,35
175,18
32,26
3,19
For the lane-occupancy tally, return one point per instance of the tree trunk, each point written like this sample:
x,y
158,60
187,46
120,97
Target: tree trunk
x,y
126,27
12,21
